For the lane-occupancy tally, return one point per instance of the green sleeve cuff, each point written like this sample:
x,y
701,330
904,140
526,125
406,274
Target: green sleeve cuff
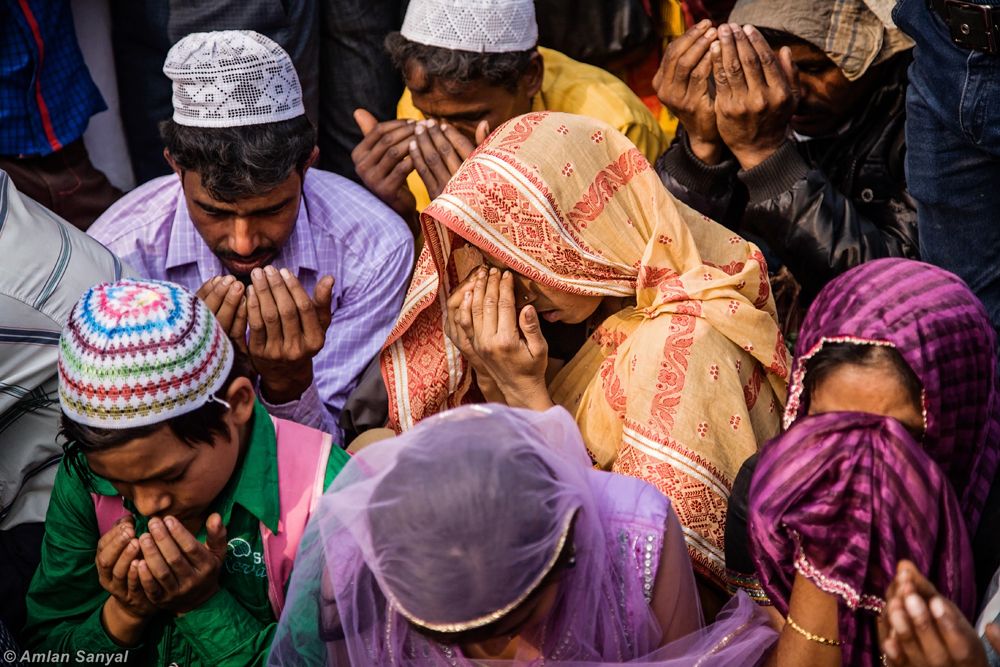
x,y
90,637
221,627
338,459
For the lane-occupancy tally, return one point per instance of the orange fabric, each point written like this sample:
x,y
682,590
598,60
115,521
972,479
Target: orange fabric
x,y
678,390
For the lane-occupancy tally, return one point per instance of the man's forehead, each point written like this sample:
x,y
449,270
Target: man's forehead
x,y
202,196
454,110
426,87
808,53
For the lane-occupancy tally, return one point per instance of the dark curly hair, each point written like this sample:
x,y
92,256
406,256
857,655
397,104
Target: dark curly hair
x,y
455,70
246,161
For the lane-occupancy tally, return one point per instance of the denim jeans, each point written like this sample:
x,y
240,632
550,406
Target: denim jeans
x,y
953,152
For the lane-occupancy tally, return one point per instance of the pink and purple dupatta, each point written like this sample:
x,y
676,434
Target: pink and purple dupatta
x,y
450,526
841,498
942,331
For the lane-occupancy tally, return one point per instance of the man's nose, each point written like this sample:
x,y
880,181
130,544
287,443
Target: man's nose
x,y
242,242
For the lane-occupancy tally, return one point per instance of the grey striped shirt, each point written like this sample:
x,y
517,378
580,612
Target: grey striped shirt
x,y
45,265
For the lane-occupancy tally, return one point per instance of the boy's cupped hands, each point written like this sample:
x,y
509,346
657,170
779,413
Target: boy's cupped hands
x,y
164,570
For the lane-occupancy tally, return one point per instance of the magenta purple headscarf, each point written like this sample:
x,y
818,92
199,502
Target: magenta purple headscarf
x,y
841,498
942,331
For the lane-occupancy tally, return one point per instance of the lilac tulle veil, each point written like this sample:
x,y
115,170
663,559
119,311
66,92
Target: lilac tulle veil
x,y
453,524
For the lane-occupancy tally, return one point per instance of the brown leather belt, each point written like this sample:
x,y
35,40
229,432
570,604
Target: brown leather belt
x,y
972,26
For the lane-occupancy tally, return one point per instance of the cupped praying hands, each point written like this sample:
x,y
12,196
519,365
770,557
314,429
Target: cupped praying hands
x,y
500,343
922,628
287,328
729,89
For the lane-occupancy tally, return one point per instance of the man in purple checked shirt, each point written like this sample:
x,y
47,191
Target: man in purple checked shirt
x,y
305,269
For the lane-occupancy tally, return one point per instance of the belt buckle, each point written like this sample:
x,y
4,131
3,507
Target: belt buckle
x,y
971,26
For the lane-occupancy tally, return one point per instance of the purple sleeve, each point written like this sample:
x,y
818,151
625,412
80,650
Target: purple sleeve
x,y
308,410
367,311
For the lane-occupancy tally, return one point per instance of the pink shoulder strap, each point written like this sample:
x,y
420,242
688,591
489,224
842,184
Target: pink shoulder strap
x,y
303,453
108,510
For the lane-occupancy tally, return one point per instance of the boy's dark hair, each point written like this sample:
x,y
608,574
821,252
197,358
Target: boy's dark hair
x,y
454,70
834,355
198,426
245,161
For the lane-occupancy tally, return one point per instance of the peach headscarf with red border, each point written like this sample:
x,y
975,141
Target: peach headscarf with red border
x,y
677,390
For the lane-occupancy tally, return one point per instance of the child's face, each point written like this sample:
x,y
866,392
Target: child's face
x,y
163,476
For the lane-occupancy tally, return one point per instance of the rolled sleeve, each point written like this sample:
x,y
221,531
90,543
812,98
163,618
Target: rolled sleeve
x,y
775,175
308,410
683,165
90,637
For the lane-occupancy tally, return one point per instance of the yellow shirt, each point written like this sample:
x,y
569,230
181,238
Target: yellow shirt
x,y
573,87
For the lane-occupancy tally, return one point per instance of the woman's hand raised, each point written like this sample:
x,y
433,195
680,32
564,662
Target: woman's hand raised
x,y
456,333
509,346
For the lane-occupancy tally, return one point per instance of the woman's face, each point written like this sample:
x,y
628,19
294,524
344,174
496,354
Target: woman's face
x,y
551,304
873,389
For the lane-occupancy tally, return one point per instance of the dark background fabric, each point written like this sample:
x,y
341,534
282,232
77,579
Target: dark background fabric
x,y
355,72
144,30
65,182
602,32
738,558
20,553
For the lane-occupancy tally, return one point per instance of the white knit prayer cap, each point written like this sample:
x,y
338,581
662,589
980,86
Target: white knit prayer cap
x,y
231,78
481,26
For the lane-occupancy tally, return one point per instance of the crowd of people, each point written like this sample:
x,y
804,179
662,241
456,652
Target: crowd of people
x,y
417,340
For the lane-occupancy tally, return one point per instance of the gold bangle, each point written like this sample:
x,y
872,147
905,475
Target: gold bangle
x,y
810,636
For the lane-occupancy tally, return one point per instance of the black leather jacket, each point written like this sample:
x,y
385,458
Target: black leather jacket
x,y
821,206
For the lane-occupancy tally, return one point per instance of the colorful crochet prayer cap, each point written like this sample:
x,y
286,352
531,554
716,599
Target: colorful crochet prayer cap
x,y
480,26
138,352
231,78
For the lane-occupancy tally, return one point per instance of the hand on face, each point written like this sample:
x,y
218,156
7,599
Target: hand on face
x,y
117,551
921,628
224,296
178,573
754,98
438,150
510,346
287,329
383,161
682,85
456,333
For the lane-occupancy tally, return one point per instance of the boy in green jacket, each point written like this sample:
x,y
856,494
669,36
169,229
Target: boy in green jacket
x,y
159,409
